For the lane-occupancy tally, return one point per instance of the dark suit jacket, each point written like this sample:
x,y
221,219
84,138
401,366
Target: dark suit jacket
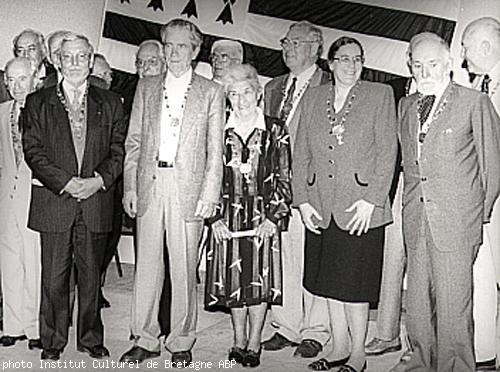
x,y
457,177
49,151
4,94
331,177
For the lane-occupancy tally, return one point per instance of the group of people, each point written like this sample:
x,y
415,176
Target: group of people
x,y
286,186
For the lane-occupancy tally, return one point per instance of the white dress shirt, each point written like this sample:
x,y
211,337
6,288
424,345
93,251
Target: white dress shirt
x,y
303,80
171,117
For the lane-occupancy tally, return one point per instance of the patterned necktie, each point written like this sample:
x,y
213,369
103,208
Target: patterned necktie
x,y
288,104
16,135
485,85
425,108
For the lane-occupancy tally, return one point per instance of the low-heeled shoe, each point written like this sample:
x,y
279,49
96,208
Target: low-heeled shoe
x,y
138,355
96,352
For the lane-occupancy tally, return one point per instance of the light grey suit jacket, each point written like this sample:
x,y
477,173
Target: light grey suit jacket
x,y
198,161
457,177
331,177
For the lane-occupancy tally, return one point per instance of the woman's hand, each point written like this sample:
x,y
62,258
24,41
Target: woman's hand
x,y
220,231
362,217
266,229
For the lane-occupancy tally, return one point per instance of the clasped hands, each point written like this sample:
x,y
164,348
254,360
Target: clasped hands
x,y
83,188
358,224
266,229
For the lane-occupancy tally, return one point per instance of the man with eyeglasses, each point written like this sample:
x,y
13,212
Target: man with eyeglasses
x,y
31,44
224,53
303,319
73,142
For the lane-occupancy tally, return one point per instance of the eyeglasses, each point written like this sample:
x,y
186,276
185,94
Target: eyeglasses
x,y
78,58
346,60
294,43
223,57
26,49
142,63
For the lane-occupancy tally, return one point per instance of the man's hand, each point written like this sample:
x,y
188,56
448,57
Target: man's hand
x,y
309,214
204,209
129,202
362,217
220,231
73,186
266,229
88,187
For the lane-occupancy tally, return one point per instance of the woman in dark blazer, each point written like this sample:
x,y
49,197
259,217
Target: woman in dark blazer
x,y
344,157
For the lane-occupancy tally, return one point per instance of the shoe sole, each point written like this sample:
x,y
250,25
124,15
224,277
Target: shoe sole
x,y
95,356
385,351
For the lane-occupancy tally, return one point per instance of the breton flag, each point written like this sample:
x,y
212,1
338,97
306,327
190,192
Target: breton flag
x,y
383,27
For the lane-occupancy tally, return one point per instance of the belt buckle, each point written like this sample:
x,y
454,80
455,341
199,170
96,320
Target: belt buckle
x,y
165,164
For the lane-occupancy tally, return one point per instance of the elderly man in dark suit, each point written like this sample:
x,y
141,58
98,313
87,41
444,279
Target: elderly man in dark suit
x,y
73,142
172,181
450,145
303,318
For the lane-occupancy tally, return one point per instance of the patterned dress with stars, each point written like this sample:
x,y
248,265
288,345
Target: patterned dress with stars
x,y
246,271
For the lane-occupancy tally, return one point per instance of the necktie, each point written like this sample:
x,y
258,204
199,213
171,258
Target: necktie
x,y
16,135
485,85
424,109
288,104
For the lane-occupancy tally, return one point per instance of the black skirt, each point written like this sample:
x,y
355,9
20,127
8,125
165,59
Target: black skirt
x,y
344,267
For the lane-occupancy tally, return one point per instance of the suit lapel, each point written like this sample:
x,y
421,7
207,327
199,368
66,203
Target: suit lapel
x,y
155,108
192,101
277,96
9,148
94,116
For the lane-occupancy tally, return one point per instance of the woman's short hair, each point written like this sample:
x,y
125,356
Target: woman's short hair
x,y
340,42
238,73
194,32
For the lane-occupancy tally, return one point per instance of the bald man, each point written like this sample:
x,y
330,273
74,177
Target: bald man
x,y
449,139
481,51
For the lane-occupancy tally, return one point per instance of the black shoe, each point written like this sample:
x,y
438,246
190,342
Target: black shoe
x,y
487,365
96,352
308,348
237,354
138,355
277,342
325,365
7,341
251,359
348,368
34,343
183,357
51,354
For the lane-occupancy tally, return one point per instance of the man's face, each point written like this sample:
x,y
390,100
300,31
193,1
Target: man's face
x,y
19,79
299,50
76,61
471,52
102,70
221,58
27,46
54,49
179,51
430,66
149,62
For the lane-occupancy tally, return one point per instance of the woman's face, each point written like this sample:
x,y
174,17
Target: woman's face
x,y
243,98
347,64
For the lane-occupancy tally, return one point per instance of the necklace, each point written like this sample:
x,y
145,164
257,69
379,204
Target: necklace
x,y
76,116
435,115
175,121
296,96
338,127
16,135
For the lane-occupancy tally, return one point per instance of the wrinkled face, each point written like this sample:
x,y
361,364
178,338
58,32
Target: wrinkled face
x,y
27,46
347,64
243,98
299,50
149,62
221,58
179,51
76,61
102,70
19,80
54,49
430,67
471,52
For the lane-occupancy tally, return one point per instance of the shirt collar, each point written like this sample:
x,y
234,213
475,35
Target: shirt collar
x,y
70,89
260,122
304,76
182,80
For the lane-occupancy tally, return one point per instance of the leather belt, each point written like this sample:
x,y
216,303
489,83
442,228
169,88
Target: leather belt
x,y
165,164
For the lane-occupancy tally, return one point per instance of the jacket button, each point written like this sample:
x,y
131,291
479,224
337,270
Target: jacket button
x,y
154,176
423,179
422,199
330,176
330,147
332,161
416,162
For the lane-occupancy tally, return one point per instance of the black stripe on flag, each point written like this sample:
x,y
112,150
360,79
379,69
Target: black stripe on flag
x,y
355,17
267,61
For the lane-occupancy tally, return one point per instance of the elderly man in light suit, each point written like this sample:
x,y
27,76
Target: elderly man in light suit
x,y
19,245
172,180
450,145
303,319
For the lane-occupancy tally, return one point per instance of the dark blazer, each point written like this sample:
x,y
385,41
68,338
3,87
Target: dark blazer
x,y
331,177
49,151
457,178
4,93
274,95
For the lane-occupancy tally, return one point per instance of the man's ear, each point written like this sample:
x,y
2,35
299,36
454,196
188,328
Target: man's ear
x,y
485,48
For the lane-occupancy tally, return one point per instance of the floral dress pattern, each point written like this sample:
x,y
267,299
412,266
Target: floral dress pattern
x,y
256,185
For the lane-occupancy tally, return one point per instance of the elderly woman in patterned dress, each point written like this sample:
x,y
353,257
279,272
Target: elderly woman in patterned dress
x,y
244,254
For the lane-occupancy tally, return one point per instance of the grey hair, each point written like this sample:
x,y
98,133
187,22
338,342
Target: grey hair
x,y
426,36
233,44
161,52
241,72
314,32
15,60
194,32
72,37
39,37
